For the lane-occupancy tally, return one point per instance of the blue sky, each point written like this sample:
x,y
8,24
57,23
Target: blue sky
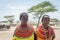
x,y
15,7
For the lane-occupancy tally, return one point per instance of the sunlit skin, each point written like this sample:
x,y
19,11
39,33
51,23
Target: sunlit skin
x,y
46,22
24,20
24,31
44,31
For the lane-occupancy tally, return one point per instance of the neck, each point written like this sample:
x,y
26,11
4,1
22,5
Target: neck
x,y
23,25
45,26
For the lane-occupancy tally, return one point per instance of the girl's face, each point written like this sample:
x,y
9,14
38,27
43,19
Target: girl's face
x,y
46,21
24,19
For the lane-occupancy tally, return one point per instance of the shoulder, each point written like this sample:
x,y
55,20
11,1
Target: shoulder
x,y
29,25
51,28
39,27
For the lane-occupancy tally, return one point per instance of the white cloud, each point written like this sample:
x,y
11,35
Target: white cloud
x,y
16,10
13,10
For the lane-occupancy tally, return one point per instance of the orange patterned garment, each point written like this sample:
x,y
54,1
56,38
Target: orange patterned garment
x,y
40,33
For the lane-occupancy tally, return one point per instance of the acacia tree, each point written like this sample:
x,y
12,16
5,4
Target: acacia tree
x,y
54,20
10,18
41,9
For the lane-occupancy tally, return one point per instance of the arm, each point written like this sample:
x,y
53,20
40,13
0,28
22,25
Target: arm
x,y
53,34
35,37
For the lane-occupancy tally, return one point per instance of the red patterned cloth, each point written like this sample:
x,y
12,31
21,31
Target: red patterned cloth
x,y
40,33
24,31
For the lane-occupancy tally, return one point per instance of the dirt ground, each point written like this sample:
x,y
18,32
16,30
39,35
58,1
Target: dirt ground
x,y
7,35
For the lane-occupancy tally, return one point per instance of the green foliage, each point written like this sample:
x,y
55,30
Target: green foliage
x,y
41,8
10,18
54,20
3,21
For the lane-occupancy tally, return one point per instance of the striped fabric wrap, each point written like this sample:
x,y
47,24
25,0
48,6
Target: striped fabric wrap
x,y
40,33
24,32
